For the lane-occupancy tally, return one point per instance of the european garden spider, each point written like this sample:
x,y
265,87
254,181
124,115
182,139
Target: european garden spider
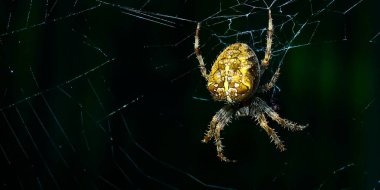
x,y
234,79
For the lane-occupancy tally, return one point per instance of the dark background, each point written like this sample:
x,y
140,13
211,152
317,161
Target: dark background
x,y
136,121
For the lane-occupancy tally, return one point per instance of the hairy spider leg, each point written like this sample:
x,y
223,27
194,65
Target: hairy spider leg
x,y
221,116
268,50
218,142
218,122
259,116
202,66
211,130
266,87
260,104
272,134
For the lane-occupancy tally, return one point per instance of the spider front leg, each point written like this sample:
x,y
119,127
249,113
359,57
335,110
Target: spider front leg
x,y
266,87
265,61
202,66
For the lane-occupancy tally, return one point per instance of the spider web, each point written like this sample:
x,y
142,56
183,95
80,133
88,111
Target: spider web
x,y
107,95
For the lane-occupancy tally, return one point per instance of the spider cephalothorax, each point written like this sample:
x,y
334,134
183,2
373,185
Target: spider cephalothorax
x,y
234,79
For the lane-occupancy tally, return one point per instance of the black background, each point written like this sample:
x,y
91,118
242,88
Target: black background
x,y
153,142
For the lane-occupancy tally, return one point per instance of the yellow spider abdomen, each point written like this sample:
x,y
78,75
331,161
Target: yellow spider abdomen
x,y
235,74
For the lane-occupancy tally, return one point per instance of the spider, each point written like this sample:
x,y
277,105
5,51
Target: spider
x,y
235,79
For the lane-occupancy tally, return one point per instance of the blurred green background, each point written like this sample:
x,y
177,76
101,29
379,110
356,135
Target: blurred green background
x,y
94,98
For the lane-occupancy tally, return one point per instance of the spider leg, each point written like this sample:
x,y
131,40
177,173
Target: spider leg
x,y
218,122
260,118
260,104
266,87
265,61
224,115
218,142
272,134
243,111
202,66
211,130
